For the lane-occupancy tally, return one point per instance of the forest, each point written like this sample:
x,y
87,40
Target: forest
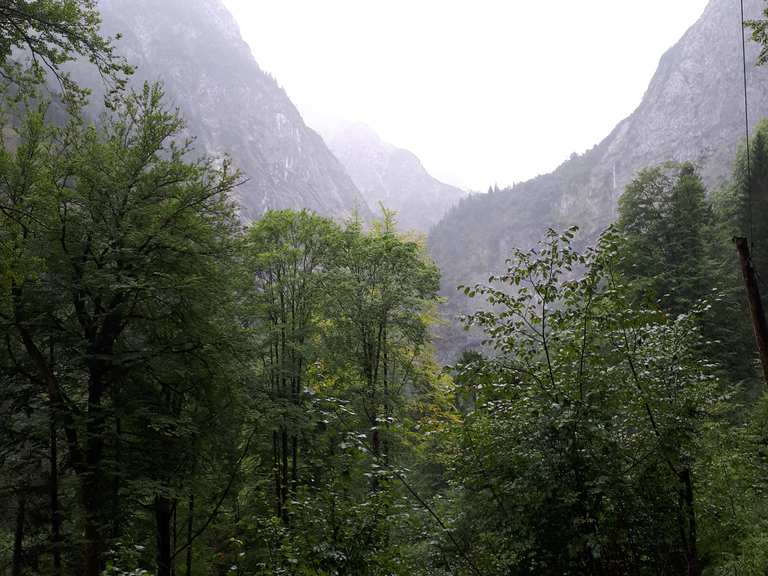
x,y
183,393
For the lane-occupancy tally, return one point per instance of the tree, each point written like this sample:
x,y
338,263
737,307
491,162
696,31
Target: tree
x,y
759,29
339,319
114,247
384,289
288,255
674,255
665,219
739,208
743,204
50,33
579,456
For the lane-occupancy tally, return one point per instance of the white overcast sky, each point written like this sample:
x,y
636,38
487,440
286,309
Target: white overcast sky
x,y
482,91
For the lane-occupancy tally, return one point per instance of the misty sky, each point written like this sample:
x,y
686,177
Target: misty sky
x,y
482,91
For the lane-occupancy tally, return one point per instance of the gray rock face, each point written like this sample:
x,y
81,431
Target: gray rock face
x,y
231,106
392,177
693,110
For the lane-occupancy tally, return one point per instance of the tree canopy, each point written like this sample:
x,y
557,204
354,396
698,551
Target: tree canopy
x,y
37,37
183,392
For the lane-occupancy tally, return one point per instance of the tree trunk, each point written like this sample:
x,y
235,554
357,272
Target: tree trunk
x,y
376,437
93,544
163,516
116,483
190,525
175,534
387,404
692,553
284,473
53,485
757,311
18,537
296,398
93,479
276,473
376,449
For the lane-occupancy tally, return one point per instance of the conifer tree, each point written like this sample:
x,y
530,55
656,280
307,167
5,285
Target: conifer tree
x,y
665,220
744,205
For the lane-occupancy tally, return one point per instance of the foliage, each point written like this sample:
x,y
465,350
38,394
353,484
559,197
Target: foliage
x,y
339,322
665,219
674,254
597,405
180,395
37,37
759,28
114,247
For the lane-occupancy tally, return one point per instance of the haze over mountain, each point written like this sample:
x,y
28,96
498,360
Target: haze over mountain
x,y
392,177
230,104
469,87
692,111
189,390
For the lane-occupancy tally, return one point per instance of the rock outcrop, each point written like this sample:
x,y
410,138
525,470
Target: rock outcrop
x,y
230,105
693,111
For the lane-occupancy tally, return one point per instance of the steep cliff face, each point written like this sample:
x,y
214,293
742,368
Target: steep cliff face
x,y
392,177
693,111
230,105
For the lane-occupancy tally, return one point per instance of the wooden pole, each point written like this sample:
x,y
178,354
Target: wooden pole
x,y
756,308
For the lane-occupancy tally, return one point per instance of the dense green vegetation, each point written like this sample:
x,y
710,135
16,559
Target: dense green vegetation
x,y
38,37
183,394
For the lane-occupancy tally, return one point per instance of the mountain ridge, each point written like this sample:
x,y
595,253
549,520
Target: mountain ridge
x,y
392,177
231,106
691,111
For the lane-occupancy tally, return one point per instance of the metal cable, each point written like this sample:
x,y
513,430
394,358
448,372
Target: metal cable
x,y
746,125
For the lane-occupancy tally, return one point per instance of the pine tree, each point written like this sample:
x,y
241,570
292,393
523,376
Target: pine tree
x,y
665,221
747,196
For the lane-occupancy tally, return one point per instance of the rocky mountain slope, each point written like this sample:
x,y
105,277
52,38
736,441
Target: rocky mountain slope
x,y
693,110
230,105
392,177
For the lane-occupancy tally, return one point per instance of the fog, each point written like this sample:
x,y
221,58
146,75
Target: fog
x,y
484,91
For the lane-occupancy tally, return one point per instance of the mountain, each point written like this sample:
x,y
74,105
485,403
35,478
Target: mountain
x,y
693,110
392,177
230,104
